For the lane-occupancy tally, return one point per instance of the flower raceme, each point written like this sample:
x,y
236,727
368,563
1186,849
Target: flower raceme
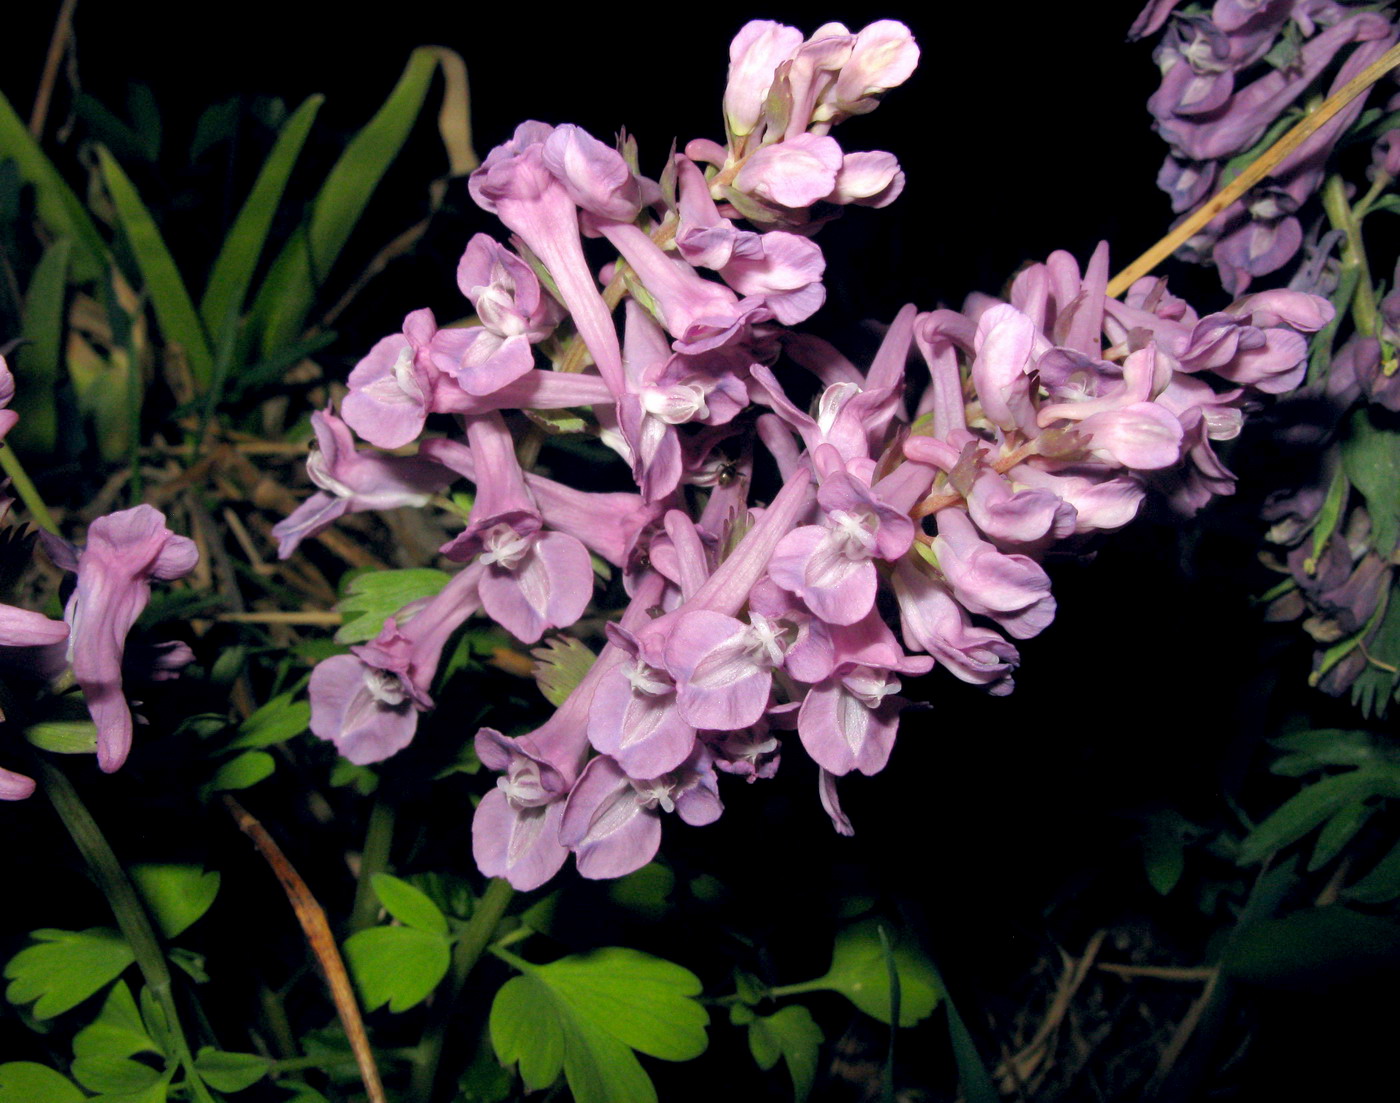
x,y
918,497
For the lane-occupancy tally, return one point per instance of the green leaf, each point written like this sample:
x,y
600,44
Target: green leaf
x,y
1327,747
1314,949
1371,459
558,422
117,1031
1163,851
64,968
1381,884
859,973
59,209
560,664
282,718
1378,681
37,362
175,895
1337,832
642,1001
118,1075
156,1093
27,1082
247,769
373,596
533,1026
290,288
230,1072
408,905
179,323
793,1035
63,736
587,1013
646,891
1305,811
399,966
233,270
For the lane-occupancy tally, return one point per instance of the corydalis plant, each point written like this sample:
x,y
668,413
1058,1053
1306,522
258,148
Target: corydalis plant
x,y
934,493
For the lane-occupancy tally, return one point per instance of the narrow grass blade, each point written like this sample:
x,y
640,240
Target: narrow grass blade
x,y
59,209
290,289
243,247
36,362
179,323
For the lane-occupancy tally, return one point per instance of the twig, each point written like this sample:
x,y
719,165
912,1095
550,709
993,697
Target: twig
x,y
1257,170
315,617
312,918
58,42
1183,1033
1161,972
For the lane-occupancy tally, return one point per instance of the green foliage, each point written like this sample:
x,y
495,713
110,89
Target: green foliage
x,y
1315,804
116,1075
179,321
230,1072
585,1014
282,718
1314,949
792,1035
1379,682
1381,884
59,209
118,1030
243,771
859,972
232,273
64,968
38,361
410,906
287,294
27,1082
1371,459
371,597
560,664
63,736
175,895
398,966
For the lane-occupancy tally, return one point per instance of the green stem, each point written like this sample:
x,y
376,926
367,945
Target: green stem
x,y
379,837
1378,187
25,488
126,906
486,917
1340,214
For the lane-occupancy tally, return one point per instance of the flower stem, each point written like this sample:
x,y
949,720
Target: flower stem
x,y
126,906
486,917
1340,214
379,837
25,488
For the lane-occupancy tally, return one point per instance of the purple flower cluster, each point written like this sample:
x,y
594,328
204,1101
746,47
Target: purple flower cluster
x,y
1227,78
124,552
1343,565
1031,424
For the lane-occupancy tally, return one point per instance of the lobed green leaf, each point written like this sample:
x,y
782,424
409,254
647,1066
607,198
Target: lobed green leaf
x,y
792,1035
408,905
175,895
63,968
398,966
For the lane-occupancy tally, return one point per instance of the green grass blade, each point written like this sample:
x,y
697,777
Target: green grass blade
x,y
287,295
59,209
179,323
36,363
242,248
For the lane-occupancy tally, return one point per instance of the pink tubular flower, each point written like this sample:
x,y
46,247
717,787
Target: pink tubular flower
x,y
352,481
124,551
514,311
8,418
367,703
